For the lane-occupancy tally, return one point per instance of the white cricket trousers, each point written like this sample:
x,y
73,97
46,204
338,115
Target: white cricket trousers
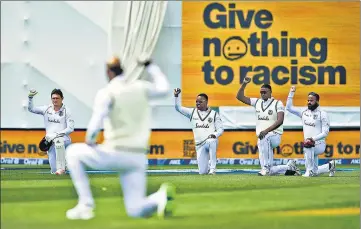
x,y
207,156
265,150
131,167
311,159
52,155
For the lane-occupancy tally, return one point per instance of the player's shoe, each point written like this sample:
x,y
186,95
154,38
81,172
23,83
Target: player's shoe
x,y
293,167
80,211
166,203
212,172
60,172
264,172
332,166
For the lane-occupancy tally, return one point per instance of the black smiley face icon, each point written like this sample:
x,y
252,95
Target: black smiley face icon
x,y
234,48
286,150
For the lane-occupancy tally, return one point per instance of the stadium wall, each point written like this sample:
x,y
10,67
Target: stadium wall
x,y
177,147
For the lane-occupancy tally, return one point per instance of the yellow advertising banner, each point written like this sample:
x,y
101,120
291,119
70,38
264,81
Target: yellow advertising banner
x,y
180,144
313,45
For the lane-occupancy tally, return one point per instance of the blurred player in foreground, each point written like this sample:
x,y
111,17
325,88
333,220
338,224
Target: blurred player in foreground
x,y
269,129
207,128
315,130
125,111
58,124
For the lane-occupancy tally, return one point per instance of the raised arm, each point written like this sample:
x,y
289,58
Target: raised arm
x,y
289,104
183,110
325,127
36,110
240,95
69,124
101,109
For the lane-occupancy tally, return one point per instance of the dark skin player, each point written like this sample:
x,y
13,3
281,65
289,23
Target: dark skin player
x,y
266,93
201,104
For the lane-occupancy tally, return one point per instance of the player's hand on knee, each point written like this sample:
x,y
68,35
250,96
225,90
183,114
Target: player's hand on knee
x,y
177,91
212,136
50,137
262,134
309,143
32,93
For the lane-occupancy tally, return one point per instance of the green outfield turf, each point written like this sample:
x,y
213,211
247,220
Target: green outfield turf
x,y
39,201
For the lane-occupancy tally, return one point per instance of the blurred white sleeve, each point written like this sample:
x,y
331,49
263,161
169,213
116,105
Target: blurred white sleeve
x,y
159,87
101,108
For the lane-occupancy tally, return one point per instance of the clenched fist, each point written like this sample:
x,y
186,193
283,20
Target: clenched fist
x,y
246,80
293,89
32,93
177,91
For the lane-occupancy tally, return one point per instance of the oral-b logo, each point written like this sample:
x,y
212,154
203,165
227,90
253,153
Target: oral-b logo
x,y
304,59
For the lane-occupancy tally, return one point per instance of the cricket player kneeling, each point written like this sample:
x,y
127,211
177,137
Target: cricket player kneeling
x,y
59,124
207,128
57,144
269,129
316,127
124,110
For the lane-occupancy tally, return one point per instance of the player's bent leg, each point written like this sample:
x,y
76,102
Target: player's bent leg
x,y
290,169
318,149
59,145
265,147
134,189
212,149
76,154
52,159
262,157
279,170
202,158
315,164
309,161
329,167
66,143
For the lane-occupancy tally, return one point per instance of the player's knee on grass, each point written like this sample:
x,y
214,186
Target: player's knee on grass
x,y
203,171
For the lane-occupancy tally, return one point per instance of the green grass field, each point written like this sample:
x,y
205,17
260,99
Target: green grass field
x,y
39,201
